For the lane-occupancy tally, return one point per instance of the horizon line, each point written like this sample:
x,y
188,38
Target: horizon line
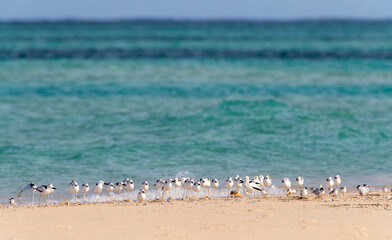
x,y
191,19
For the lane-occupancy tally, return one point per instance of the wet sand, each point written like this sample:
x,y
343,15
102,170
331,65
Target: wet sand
x,y
348,217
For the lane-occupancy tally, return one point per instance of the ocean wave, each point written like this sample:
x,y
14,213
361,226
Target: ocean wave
x,y
187,53
208,91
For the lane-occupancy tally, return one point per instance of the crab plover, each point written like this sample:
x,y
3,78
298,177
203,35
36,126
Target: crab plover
x,y
145,186
286,183
73,188
141,196
31,187
85,189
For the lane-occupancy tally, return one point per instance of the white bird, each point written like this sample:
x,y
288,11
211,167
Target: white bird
x,y
238,183
286,183
215,183
299,181
196,188
51,190
109,187
363,190
337,180
129,185
343,190
304,192
290,191
261,179
73,188
229,183
334,192
158,185
384,190
12,202
188,186
145,186
118,187
183,181
329,182
251,185
85,189
267,181
255,179
205,184
31,187
44,191
177,183
98,187
141,196
167,186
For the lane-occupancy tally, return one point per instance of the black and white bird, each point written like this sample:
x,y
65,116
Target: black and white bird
x,y
238,183
343,190
167,186
158,185
109,189
12,202
73,188
98,187
299,181
30,187
267,181
196,188
334,192
304,192
118,187
129,185
52,188
44,190
176,183
251,186
145,186
363,190
214,183
337,180
141,196
205,183
286,183
290,191
85,189
261,179
329,183
229,183
188,186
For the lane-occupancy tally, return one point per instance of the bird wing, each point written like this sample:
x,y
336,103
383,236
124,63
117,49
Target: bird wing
x,y
24,189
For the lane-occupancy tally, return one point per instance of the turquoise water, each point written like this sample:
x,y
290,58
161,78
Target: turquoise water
x,y
147,100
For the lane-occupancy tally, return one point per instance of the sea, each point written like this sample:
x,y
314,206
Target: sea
x,y
150,99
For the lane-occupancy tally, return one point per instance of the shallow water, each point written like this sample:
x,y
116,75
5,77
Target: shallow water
x,y
147,100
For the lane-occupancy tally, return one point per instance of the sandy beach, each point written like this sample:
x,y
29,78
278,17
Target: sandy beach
x,y
348,217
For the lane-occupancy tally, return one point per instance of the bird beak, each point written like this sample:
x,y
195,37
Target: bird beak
x,y
54,188
124,184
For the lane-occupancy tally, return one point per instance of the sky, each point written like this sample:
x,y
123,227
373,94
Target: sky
x,y
194,9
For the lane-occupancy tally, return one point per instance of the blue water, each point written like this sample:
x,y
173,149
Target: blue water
x,y
152,99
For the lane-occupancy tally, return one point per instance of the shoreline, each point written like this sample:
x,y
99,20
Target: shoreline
x,y
275,217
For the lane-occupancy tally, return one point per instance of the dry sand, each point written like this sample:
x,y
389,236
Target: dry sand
x,y
349,217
